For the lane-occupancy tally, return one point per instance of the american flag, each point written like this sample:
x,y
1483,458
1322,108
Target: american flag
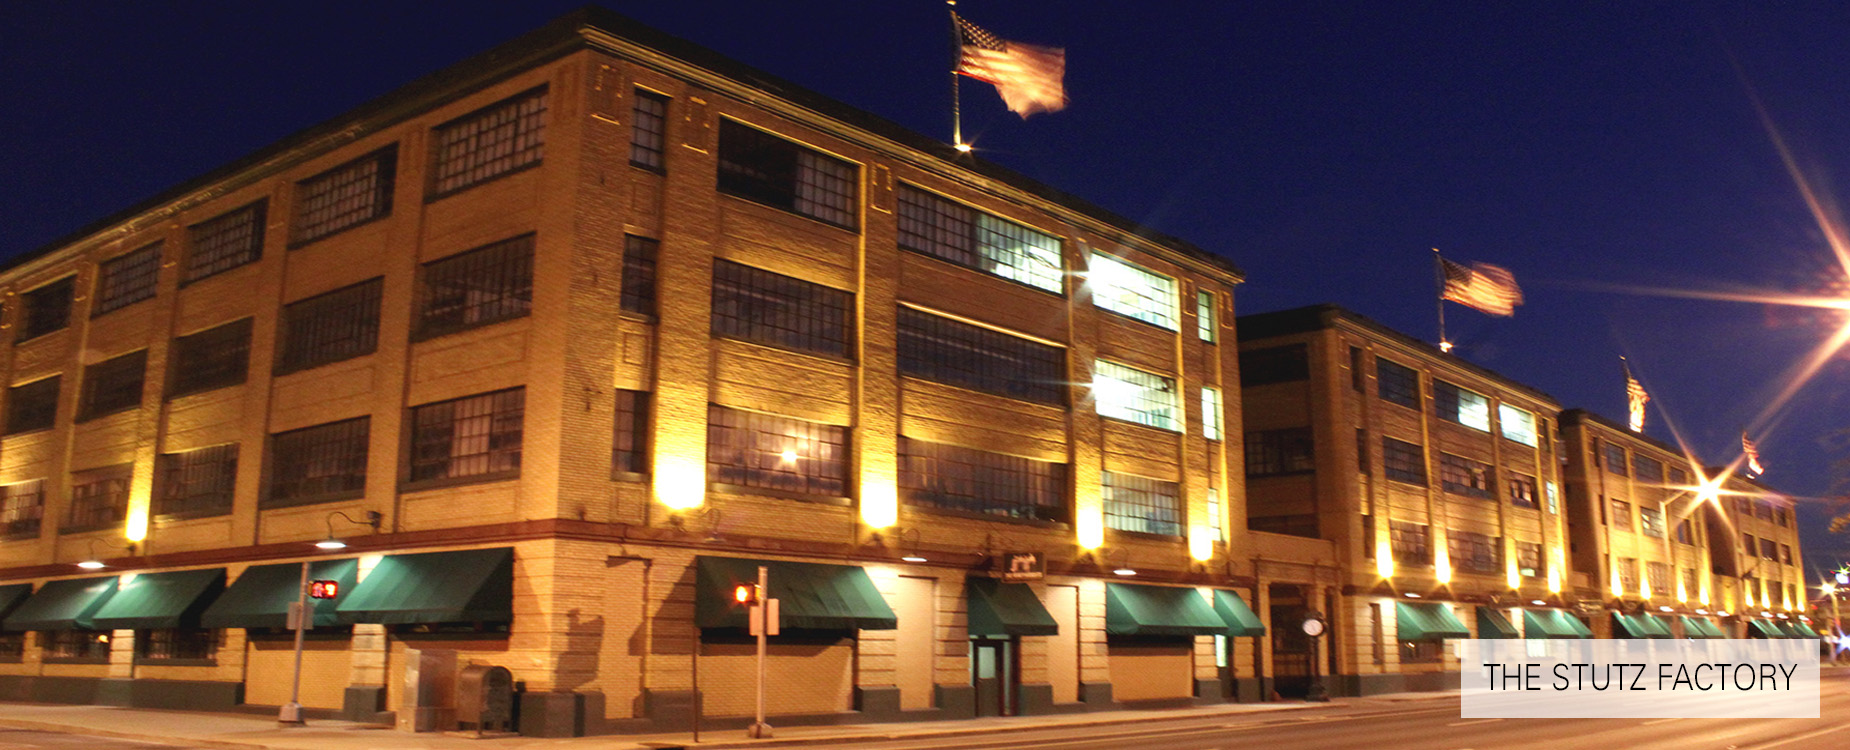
x,y
1635,397
1753,455
1029,78
1482,287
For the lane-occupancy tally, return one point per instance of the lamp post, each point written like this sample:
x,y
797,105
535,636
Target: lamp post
x,y
300,619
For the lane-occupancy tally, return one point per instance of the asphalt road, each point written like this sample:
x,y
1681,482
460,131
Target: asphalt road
x,y
1427,724
23,739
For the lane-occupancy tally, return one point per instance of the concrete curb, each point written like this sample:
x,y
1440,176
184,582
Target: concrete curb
x,y
87,731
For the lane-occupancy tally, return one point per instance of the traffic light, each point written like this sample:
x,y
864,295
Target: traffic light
x,y
323,589
745,594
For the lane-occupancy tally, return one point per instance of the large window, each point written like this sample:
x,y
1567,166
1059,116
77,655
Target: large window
x,y
127,279
629,447
176,644
768,308
638,294
46,309
1516,424
475,436
948,477
225,242
1411,543
947,351
1651,522
951,231
99,498
1658,574
1127,289
1615,458
1274,452
112,385
1206,327
1463,476
1210,413
764,168
1685,532
1627,568
1529,559
1278,364
32,406
1647,469
1403,461
331,327
1769,550
345,196
1133,395
1142,504
649,130
489,142
1397,384
76,645
1621,515
22,509
1475,553
762,451
482,286
1454,404
196,483
212,358
1521,489
319,464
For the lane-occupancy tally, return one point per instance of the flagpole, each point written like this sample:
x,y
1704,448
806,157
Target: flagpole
x,y
1438,268
957,117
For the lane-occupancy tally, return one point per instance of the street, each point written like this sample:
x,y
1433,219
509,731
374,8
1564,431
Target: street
x,y
28,739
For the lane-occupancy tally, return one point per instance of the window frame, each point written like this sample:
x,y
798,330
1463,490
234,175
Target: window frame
x,y
500,272
636,407
98,499
990,486
747,300
35,319
104,384
122,281
45,404
1407,451
326,317
439,424
227,254
756,182
1161,307
829,483
1388,383
637,292
932,225
216,465
942,349
1480,478
1145,411
528,141
1452,402
1276,452
1141,493
383,192
659,134
357,432
190,372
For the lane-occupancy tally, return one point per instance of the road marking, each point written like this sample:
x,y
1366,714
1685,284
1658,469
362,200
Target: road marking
x,y
1655,722
1469,723
1806,736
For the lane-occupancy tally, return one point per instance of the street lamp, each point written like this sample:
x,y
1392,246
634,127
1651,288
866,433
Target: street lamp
x,y
92,562
301,619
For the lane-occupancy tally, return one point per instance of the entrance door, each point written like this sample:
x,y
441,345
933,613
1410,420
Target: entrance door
x,y
995,675
1291,649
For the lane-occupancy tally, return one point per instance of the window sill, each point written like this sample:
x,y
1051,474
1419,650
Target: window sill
x,y
1299,473
1059,295
738,489
640,317
192,515
980,516
446,482
435,196
85,418
124,306
279,371
1147,535
40,335
274,504
142,661
295,244
1140,321
793,212
639,477
93,660
657,171
824,356
28,431
1409,482
207,388
86,528
1121,420
421,336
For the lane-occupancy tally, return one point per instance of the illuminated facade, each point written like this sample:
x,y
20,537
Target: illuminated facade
x,y
596,324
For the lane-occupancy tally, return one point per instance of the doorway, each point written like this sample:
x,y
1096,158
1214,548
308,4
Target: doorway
x,y
995,674
1291,648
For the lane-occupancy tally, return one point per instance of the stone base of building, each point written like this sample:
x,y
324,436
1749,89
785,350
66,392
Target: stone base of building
x,y
1377,684
177,695
560,714
366,704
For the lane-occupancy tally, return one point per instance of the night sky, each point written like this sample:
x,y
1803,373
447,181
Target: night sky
x,y
1323,147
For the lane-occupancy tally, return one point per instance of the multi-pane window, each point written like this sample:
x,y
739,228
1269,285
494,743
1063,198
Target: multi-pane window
x,y
1627,568
112,385
948,230
1463,476
1763,510
76,644
1206,328
1454,404
768,308
1685,532
1471,552
1615,458
99,498
762,451
12,647
320,463
1134,395
1422,652
1127,289
1621,515
225,242
1358,377
1516,424
468,437
629,447
1214,515
489,142
1273,452
1647,469
1277,364
176,644
22,509
638,294
1781,517
1679,477
46,309
1691,584
1658,575
1785,554
947,351
1651,522
764,168
1403,461
1397,384
196,483
127,279
948,477
475,288
1769,550
1748,547
1210,413
33,406
1142,504
1529,559
345,196
1361,450
331,327
1552,492
1411,543
649,130
1521,489
212,358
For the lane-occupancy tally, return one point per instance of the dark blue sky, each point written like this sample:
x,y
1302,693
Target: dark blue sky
x,y
1324,147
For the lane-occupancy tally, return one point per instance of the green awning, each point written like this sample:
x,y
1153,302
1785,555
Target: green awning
x,y
1553,623
1492,624
1639,626
1697,627
1131,609
261,596
1805,631
1005,609
811,596
472,585
1788,629
152,601
11,596
1241,620
1764,629
1427,621
63,605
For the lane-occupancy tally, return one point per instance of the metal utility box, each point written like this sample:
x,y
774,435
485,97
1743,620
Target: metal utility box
x,y
485,699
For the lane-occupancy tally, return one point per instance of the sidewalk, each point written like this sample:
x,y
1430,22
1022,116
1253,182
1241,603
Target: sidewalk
x,y
246,731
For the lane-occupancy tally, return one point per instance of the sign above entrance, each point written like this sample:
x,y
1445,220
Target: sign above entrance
x,y
1023,566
